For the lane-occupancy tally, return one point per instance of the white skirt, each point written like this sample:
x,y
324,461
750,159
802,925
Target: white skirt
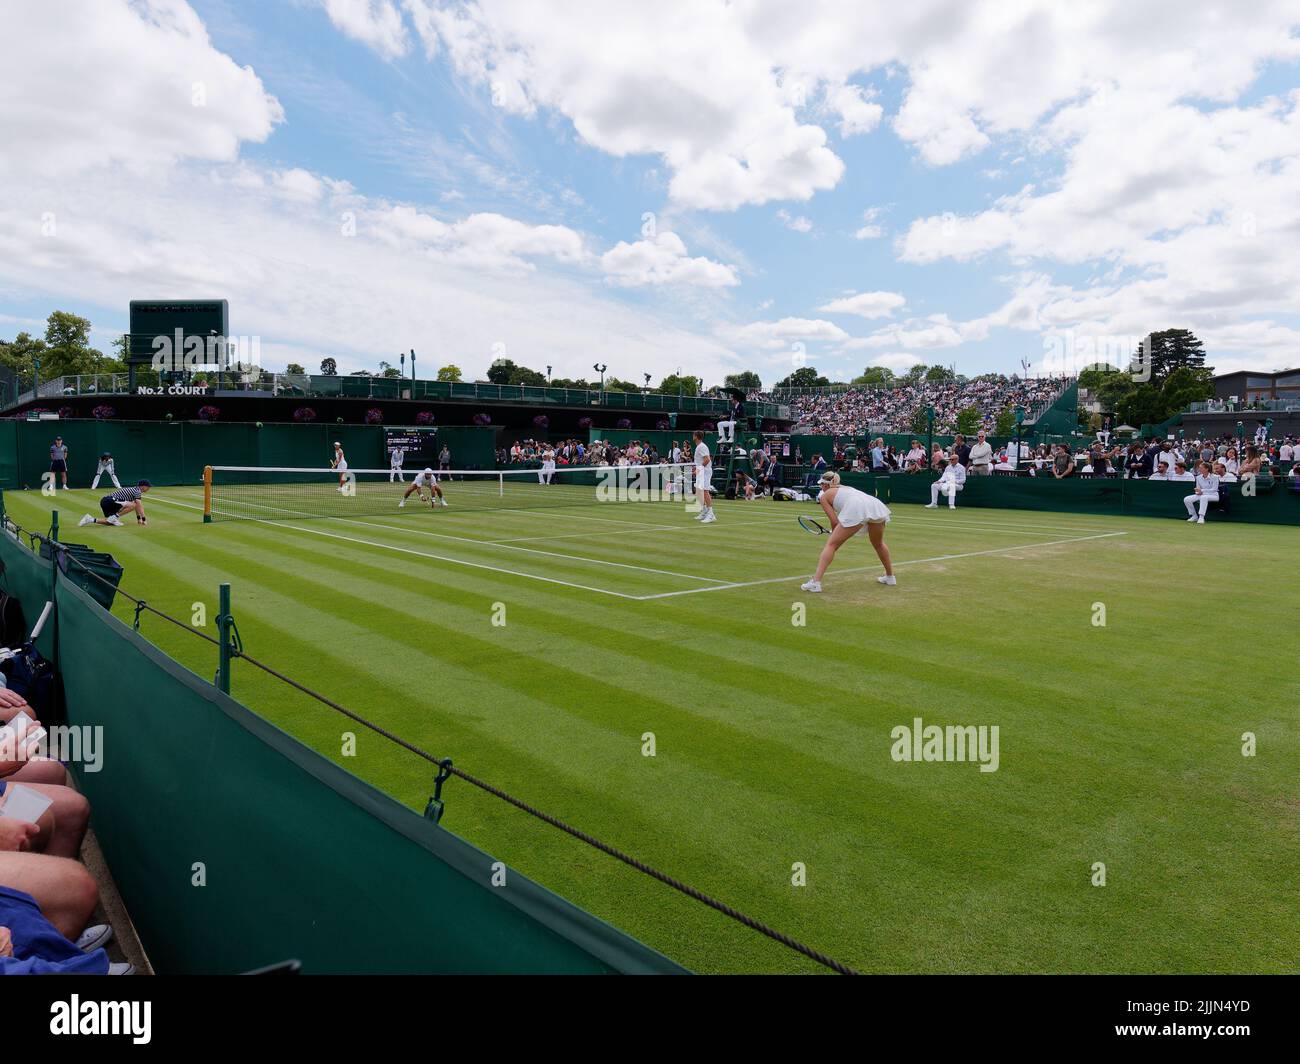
x,y
861,508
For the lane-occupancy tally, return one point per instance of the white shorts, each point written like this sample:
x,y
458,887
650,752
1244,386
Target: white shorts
x,y
862,509
704,479
342,466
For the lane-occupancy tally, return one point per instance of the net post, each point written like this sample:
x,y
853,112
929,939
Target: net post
x,y
501,485
207,495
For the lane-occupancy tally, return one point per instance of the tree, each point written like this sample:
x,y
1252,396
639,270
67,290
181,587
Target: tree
x,y
1185,386
915,374
920,421
361,373
613,384
294,367
500,370
1170,350
530,377
1006,422
747,381
804,377
940,374
572,382
387,369
875,377
449,373
329,367
675,385
969,421
20,354
67,347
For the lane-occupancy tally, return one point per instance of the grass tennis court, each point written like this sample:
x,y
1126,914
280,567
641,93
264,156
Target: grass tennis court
x,y
773,740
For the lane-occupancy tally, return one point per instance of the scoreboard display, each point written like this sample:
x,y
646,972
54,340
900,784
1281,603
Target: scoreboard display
x,y
153,321
420,445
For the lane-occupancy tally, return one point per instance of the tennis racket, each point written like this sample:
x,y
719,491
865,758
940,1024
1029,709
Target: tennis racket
x,y
815,527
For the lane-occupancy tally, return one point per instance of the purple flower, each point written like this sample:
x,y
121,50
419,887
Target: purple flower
x,y
662,423
708,426
304,413
585,422
624,423
424,417
541,421
207,413
67,412
374,416
482,419
104,411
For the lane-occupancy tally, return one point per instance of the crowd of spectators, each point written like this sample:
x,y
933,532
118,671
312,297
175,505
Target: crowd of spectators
x,y
47,897
564,453
856,411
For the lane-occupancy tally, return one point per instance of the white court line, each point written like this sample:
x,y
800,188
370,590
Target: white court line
x,y
526,550
426,554
576,535
510,546
867,568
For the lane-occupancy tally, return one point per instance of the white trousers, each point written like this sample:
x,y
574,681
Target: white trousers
x,y
1204,500
948,489
726,432
95,483
395,472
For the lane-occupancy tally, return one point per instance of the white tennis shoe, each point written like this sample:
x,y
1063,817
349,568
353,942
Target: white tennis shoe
x,y
708,518
889,580
811,585
86,520
114,520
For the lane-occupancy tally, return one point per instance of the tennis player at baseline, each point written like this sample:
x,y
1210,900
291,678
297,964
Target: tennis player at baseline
x,y
850,511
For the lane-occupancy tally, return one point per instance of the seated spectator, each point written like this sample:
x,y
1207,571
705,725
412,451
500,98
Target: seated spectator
x,y
914,462
45,904
937,458
1207,491
1181,472
1221,471
951,481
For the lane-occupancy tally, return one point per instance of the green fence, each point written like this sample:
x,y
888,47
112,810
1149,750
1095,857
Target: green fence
x,y
235,846
176,452
1275,502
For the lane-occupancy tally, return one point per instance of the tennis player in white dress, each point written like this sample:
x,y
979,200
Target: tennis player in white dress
x,y
340,464
850,511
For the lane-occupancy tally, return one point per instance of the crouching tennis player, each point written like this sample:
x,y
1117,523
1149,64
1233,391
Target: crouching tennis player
x,y
850,511
428,480
122,501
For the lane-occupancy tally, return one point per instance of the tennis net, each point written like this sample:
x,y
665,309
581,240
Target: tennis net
x,y
261,493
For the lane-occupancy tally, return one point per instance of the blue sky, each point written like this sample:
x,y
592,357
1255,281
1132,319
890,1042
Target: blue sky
x,y
983,183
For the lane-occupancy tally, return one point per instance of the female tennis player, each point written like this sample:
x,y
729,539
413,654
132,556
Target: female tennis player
x,y
340,464
427,479
850,511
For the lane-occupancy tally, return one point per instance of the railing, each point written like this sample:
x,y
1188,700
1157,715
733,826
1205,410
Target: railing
x,y
360,387
1224,406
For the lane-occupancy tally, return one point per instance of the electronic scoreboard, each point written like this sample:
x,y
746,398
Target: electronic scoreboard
x,y
420,445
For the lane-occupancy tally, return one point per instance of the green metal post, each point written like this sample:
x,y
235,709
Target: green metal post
x,y
223,633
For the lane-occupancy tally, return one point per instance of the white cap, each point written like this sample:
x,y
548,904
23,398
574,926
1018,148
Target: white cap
x,y
337,444
428,470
